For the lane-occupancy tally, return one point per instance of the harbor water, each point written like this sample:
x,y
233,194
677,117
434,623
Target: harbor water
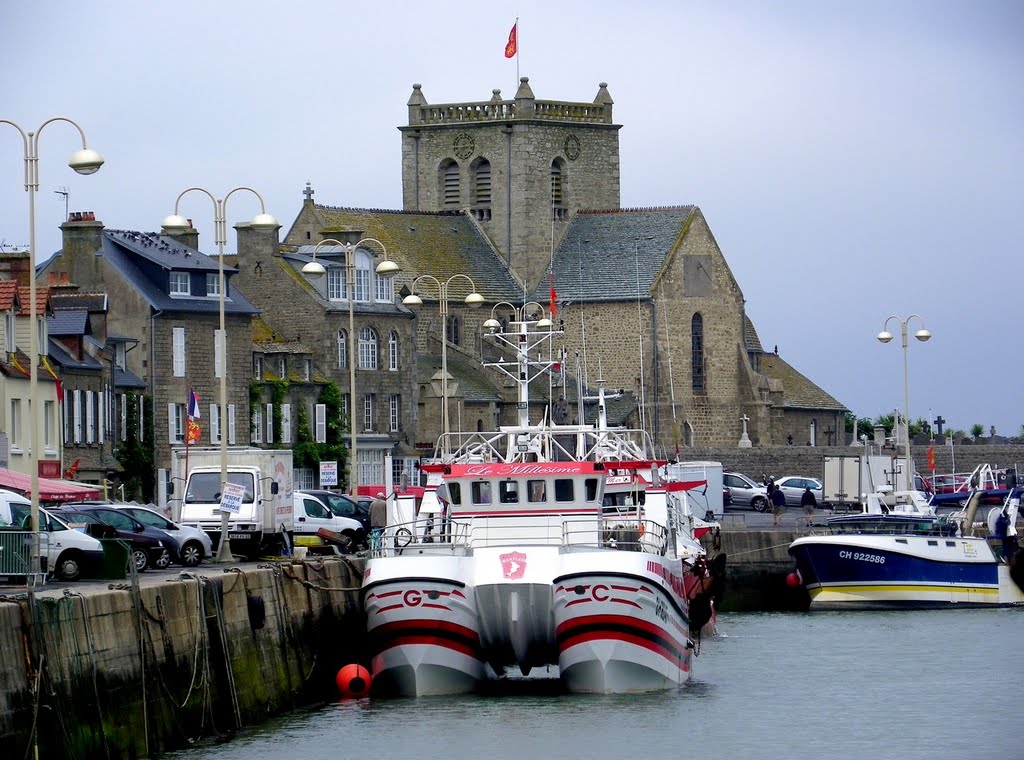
x,y
923,684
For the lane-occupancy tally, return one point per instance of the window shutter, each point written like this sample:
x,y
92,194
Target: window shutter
x,y
321,423
78,416
214,423
171,423
286,423
257,425
178,346
231,424
124,416
270,423
66,411
101,429
218,347
142,416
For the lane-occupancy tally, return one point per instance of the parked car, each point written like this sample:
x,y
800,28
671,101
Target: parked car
x,y
312,513
344,505
744,492
149,546
194,545
69,554
793,489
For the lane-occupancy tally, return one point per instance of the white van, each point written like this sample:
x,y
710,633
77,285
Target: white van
x,y
69,553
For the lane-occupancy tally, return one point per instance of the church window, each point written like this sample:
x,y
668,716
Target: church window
x,y
342,349
450,191
393,351
697,346
558,210
451,330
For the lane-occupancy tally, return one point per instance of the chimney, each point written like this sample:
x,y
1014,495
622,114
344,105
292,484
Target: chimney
x,y
189,237
82,238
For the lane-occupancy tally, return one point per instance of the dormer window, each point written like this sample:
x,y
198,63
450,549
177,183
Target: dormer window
x,y
213,284
179,284
307,370
43,335
120,356
9,326
281,368
257,367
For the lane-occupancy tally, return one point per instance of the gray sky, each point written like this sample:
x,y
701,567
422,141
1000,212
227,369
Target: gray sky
x,y
854,160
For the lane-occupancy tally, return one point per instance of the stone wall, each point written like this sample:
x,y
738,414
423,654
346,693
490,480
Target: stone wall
x,y
132,672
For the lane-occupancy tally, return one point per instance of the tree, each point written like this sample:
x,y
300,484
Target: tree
x,y
864,426
306,452
977,431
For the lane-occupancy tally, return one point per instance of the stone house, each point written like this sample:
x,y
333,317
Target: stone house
x,y
164,294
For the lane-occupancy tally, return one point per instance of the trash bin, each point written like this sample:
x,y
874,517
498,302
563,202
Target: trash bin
x,y
116,555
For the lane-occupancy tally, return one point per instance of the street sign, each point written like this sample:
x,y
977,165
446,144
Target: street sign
x,y
328,474
231,499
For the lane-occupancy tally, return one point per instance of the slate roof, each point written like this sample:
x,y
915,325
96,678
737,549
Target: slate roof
x,y
441,243
798,391
87,301
126,379
66,322
474,384
603,253
61,356
130,252
751,341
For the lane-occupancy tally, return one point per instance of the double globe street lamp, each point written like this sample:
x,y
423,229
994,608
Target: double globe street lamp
x,y
84,161
386,268
474,300
176,223
922,335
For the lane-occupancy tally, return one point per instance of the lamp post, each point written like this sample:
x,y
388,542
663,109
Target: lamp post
x,y
522,347
884,337
386,268
177,223
474,300
83,161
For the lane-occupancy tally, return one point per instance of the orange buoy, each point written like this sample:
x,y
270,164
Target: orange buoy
x,y
353,681
793,580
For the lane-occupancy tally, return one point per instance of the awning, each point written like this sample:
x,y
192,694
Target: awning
x,y
49,490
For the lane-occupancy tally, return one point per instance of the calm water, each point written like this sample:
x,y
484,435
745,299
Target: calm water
x,y
823,685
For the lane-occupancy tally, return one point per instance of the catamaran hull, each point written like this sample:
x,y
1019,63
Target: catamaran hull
x,y
883,572
423,628
621,632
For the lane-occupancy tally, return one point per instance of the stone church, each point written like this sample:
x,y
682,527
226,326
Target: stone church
x,y
519,199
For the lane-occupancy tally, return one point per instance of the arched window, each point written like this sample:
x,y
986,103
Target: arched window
x,y
451,195
393,351
482,183
697,351
558,210
367,348
342,349
451,330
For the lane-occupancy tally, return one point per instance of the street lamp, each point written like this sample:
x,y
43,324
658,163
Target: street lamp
x,y
884,337
474,300
177,223
386,268
83,161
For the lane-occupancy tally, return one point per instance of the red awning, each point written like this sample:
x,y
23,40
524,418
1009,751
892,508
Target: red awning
x,y
49,490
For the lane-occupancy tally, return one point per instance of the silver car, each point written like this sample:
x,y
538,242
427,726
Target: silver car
x,y
194,545
744,492
793,487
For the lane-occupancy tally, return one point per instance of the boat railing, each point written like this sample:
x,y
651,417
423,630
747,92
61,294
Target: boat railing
x,y
549,443
455,536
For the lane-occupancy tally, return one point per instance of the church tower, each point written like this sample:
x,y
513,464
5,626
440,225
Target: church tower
x,y
521,168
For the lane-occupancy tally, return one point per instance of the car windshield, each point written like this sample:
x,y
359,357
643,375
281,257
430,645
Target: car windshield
x,y
204,487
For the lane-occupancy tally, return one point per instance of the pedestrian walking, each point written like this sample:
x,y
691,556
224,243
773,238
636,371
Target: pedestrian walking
x,y
778,505
378,520
809,503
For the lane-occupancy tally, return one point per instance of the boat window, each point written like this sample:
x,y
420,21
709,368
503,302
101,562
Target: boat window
x,y
481,492
901,540
454,493
563,489
933,543
508,491
591,485
951,543
537,490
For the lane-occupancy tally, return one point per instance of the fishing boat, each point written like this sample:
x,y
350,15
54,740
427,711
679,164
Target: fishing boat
x,y
907,556
539,547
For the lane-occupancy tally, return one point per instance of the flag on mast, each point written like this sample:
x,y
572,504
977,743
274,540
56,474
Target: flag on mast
x,y
553,296
192,429
512,46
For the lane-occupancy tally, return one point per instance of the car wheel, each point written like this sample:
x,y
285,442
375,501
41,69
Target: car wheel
x,y
163,561
191,554
140,559
69,566
759,503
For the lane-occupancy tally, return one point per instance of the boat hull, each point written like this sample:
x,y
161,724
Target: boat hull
x,y
884,572
624,630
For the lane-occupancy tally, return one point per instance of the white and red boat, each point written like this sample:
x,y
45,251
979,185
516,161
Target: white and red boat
x,y
522,558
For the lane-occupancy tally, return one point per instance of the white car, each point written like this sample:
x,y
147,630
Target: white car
x,y
194,545
793,487
744,492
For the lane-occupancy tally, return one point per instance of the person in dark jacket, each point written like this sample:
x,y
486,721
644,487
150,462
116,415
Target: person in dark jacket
x,y
378,520
778,505
809,503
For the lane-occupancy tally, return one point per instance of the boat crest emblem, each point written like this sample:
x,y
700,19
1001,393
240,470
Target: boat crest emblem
x,y
513,565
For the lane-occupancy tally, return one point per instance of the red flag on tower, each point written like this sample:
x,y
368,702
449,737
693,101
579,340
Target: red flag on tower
x,y
552,296
511,47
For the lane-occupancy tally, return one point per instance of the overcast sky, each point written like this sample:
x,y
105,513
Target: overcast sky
x,y
854,160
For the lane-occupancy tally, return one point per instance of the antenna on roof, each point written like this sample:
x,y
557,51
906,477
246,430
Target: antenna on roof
x,y
62,190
